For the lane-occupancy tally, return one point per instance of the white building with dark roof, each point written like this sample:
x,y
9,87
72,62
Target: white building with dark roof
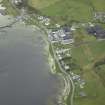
x,y
63,35
17,2
97,31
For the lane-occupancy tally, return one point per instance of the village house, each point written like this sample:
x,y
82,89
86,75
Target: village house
x,y
66,35
40,18
96,31
65,66
53,36
76,77
18,2
63,53
2,10
82,83
57,25
62,35
44,20
99,16
82,94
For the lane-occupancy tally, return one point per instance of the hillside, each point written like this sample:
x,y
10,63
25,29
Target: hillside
x,y
68,10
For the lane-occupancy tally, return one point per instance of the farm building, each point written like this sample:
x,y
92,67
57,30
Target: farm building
x,y
96,31
63,35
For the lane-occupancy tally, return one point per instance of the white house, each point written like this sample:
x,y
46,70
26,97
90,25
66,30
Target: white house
x,y
2,8
17,2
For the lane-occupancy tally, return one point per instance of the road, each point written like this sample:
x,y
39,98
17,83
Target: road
x,y
69,84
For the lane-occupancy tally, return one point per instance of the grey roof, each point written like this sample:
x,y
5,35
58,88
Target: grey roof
x,y
66,37
18,2
97,31
82,94
3,12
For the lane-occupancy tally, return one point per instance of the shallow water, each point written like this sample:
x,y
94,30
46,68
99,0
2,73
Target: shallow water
x,y
24,71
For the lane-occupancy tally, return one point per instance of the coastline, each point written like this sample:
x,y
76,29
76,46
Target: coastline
x,y
65,79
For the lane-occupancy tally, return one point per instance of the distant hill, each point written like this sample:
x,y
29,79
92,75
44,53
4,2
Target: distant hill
x,y
68,10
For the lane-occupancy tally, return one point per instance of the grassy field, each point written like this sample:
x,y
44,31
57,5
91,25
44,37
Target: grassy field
x,y
65,11
89,53
10,9
94,90
40,4
86,55
99,5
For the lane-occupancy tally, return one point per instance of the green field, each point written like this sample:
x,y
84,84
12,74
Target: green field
x,y
40,4
99,5
86,56
65,11
10,9
89,53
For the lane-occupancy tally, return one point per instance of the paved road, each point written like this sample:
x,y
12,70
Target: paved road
x,y
69,84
